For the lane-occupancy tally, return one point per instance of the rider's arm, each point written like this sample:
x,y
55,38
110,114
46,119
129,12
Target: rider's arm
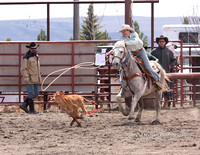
x,y
134,42
109,53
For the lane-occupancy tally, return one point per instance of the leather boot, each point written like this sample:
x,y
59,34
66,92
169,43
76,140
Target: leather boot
x,y
25,105
165,102
32,109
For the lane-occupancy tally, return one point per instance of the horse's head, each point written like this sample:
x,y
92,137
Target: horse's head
x,y
119,54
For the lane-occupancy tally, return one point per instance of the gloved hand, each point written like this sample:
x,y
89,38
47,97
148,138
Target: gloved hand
x,y
124,43
26,80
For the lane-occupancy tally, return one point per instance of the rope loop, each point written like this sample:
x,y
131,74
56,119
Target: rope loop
x,y
83,65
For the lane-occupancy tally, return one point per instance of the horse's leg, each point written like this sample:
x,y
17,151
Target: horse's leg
x,y
119,99
140,107
135,99
158,96
128,101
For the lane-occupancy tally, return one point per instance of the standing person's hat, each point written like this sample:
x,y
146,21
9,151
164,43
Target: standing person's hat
x,y
162,37
126,27
32,45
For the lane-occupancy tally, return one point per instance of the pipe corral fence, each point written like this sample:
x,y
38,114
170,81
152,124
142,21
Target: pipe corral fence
x,y
98,84
186,79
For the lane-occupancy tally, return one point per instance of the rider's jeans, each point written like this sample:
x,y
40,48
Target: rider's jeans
x,y
143,55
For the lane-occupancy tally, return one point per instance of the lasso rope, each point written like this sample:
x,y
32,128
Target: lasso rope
x,y
83,65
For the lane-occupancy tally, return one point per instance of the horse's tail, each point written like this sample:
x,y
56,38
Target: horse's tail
x,y
163,76
164,73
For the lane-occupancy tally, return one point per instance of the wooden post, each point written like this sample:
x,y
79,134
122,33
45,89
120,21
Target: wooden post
x,y
76,27
48,23
128,12
152,26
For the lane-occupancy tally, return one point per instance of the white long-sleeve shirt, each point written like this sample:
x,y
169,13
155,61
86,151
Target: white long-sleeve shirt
x,y
133,42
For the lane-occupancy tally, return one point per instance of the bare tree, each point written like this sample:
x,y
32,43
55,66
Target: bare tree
x,y
193,35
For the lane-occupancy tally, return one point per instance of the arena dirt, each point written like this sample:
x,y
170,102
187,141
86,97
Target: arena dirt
x,y
101,133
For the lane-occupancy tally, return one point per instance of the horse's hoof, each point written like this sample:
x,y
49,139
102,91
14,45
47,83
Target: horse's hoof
x,y
155,122
137,120
130,118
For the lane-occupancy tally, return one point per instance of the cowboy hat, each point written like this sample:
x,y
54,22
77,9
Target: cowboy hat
x,y
162,37
32,45
126,27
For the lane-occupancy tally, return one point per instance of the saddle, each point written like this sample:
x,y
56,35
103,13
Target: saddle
x,y
148,76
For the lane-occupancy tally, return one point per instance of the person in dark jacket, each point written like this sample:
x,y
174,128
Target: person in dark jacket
x,y
30,71
167,60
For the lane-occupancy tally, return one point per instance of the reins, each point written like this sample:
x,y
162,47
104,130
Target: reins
x,y
122,56
127,82
132,76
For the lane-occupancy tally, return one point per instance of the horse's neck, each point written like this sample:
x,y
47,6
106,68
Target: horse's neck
x,y
131,67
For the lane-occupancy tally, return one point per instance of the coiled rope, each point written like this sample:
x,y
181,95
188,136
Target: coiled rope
x,y
83,65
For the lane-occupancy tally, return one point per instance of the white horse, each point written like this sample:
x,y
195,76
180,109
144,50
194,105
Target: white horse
x,y
133,83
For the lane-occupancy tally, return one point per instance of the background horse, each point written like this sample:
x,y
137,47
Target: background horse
x,y
136,86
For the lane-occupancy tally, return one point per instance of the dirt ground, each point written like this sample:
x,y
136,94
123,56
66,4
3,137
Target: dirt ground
x,y
103,132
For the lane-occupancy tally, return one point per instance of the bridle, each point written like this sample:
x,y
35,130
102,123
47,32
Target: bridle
x,y
124,54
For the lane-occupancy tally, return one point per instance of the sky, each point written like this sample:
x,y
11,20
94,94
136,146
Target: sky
x,y
165,8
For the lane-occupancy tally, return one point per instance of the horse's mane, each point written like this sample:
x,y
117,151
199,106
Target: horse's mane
x,y
119,44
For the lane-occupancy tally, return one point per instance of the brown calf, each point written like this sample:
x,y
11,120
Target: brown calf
x,y
70,104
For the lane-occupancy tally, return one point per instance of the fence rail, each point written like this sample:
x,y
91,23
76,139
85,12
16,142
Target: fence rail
x,y
98,84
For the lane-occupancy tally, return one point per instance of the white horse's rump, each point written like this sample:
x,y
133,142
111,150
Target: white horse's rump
x,y
137,87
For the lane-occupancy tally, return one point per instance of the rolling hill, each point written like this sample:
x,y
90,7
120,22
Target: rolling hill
x,y
61,29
